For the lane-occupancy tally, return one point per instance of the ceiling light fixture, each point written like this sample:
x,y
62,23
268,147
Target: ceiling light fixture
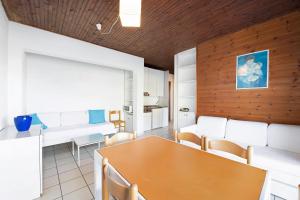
x,y
130,13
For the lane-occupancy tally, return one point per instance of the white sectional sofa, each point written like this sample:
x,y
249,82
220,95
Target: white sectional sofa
x,y
63,126
276,148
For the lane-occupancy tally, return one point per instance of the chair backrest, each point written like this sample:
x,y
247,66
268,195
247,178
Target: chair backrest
x,y
113,113
190,137
118,137
114,188
229,147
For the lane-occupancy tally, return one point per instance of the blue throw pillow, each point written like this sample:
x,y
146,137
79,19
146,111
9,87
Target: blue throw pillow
x,y
36,121
96,116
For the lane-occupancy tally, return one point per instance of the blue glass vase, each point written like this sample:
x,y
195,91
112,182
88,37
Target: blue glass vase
x,y
23,123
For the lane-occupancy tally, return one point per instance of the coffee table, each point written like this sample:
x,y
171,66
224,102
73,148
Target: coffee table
x,y
85,141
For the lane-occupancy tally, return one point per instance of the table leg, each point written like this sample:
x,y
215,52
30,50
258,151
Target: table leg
x,y
73,148
78,155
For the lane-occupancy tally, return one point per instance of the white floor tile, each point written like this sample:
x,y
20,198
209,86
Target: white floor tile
x,y
66,176
92,188
72,185
83,155
51,193
89,178
86,161
49,160
50,181
81,194
66,167
49,172
65,161
87,168
63,155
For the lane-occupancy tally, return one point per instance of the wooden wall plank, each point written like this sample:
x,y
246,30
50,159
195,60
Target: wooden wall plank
x,y
216,68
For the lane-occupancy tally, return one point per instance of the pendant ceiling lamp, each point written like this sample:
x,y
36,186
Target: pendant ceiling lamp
x,y
130,13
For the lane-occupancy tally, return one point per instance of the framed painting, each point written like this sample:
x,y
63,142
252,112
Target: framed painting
x,y
252,70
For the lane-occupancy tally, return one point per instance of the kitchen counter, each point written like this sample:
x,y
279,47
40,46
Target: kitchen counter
x,y
149,108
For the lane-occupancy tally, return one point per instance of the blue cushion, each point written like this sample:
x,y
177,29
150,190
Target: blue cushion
x,y
36,121
96,116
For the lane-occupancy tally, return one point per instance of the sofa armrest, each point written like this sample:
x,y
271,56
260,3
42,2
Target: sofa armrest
x,y
192,129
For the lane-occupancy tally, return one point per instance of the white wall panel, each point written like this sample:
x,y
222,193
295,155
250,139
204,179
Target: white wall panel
x,y
58,85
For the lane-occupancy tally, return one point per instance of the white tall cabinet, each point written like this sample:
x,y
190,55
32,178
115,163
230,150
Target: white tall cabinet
x,y
185,88
154,82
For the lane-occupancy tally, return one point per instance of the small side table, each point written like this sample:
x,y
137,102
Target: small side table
x,y
85,141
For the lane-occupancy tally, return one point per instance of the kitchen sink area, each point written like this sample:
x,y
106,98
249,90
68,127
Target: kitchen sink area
x,y
155,116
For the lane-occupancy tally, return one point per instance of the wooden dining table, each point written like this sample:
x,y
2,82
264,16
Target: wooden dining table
x,y
165,170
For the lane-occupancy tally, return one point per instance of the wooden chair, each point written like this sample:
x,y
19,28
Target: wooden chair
x,y
229,147
115,189
190,137
118,123
118,137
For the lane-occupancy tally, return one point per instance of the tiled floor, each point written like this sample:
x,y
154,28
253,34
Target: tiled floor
x,y
64,179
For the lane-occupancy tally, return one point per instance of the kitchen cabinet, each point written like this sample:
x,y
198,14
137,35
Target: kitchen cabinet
x,y
128,122
159,117
154,82
165,117
185,119
147,121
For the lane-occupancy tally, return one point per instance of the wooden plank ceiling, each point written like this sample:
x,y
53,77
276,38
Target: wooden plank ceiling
x,y
168,26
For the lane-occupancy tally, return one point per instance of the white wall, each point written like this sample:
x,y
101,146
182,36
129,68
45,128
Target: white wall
x,y
58,85
23,39
3,66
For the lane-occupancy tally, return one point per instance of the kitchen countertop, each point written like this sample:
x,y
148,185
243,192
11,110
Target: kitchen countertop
x,y
149,108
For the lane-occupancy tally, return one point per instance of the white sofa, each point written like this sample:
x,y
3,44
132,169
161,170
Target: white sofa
x,y
63,126
276,148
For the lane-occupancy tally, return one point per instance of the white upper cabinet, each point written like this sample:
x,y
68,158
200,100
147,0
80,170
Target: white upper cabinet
x,y
154,82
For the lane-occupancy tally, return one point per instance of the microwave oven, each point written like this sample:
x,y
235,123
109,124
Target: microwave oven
x,y
128,109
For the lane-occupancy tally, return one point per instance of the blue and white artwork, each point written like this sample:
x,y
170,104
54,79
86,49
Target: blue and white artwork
x,y
252,70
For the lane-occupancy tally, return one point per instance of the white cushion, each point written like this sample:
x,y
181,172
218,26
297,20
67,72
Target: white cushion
x,y
284,165
64,134
191,129
246,132
286,137
50,119
74,118
212,127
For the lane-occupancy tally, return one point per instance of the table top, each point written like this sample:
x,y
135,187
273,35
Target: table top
x,y
89,139
163,169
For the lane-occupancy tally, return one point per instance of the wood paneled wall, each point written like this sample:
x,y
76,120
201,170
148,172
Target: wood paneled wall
x,y
216,70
